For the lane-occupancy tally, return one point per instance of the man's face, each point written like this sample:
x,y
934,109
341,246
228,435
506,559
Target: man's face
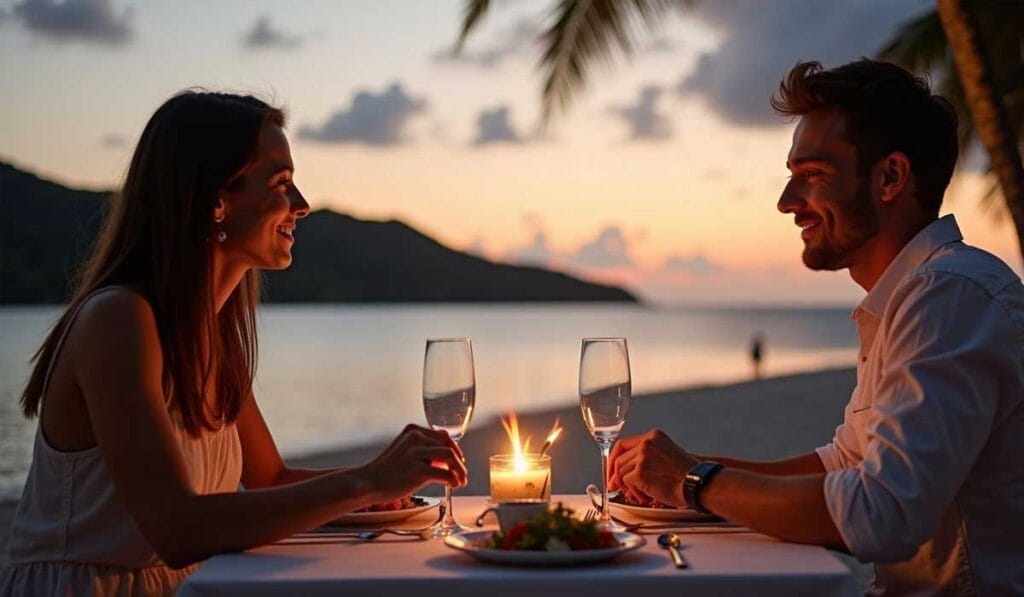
x,y
831,204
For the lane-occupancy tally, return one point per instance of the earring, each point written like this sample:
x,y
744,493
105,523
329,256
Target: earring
x,y
221,235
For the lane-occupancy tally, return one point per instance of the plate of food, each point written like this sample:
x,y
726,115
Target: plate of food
x,y
553,538
388,512
656,510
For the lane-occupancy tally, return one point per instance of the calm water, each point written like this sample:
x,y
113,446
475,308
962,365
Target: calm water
x,y
336,376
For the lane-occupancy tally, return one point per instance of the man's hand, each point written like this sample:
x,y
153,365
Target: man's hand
x,y
650,466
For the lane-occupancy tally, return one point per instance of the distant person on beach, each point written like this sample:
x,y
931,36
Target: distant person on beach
x,y
143,388
757,353
925,476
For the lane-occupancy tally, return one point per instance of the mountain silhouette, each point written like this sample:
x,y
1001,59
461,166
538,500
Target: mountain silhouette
x,y
48,230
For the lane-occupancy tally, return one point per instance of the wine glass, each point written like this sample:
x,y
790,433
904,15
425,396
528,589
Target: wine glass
x,y
449,393
605,389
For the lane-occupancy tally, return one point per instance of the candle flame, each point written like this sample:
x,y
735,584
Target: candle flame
x,y
511,426
556,430
521,448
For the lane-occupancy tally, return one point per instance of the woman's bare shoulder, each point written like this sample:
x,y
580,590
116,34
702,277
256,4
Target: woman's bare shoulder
x,y
116,313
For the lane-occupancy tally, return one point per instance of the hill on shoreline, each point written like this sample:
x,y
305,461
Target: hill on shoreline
x,y
48,230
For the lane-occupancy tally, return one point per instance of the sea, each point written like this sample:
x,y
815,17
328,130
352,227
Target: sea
x,y
336,376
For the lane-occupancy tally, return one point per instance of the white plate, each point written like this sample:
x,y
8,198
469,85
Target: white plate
x,y
467,542
385,516
679,514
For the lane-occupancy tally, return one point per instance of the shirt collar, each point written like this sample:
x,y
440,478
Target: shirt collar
x,y
939,233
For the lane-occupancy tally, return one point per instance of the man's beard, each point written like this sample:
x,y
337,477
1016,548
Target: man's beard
x,y
860,222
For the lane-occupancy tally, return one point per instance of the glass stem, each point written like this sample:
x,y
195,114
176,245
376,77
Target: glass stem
x,y
606,448
449,518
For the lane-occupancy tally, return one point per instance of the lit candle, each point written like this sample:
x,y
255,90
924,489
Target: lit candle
x,y
520,476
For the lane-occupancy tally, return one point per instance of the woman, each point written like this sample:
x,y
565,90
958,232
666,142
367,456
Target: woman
x,y
147,423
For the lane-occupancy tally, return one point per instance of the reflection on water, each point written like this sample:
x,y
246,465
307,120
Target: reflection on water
x,y
341,375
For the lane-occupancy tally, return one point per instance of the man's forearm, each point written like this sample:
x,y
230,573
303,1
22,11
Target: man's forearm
x,y
791,508
805,464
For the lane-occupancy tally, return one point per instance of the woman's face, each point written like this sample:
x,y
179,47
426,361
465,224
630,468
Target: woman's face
x,y
259,217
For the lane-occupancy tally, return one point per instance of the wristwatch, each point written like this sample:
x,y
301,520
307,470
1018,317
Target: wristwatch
x,y
695,481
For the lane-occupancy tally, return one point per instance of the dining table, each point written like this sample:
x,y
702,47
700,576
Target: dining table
x,y
721,561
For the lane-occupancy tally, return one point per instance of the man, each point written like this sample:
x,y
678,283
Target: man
x,y
925,476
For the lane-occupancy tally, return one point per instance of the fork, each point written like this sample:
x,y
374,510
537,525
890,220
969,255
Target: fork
x,y
593,514
370,534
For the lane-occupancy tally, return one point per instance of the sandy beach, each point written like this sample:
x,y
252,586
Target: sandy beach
x,y
764,419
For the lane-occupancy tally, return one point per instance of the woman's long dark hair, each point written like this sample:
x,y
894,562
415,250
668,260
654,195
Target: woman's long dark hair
x,y
157,240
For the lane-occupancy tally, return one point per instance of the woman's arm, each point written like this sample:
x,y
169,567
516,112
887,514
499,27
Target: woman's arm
x,y
262,465
118,363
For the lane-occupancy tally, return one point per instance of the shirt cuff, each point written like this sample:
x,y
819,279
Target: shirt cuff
x,y
869,533
838,487
828,457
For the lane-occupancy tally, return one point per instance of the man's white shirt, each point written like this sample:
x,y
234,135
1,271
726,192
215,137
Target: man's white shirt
x,y
926,472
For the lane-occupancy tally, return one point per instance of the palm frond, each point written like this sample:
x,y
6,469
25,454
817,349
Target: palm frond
x,y
472,14
586,31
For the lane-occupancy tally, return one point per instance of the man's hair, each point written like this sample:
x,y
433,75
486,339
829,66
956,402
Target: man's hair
x,y
887,109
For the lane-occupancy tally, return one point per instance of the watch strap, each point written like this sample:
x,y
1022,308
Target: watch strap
x,y
695,481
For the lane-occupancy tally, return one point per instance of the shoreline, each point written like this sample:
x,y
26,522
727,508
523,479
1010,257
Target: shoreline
x,y
762,419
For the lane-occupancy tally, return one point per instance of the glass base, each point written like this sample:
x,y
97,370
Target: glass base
x,y
611,526
445,528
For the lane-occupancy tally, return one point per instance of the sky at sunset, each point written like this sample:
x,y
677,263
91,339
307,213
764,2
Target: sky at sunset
x,y
662,176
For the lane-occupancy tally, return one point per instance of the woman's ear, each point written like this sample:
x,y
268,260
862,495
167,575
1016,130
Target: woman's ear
x,y
219,210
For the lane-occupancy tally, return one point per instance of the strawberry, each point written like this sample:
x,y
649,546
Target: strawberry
x,y
514,535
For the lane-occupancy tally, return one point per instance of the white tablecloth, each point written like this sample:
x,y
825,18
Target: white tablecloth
x,y
720,564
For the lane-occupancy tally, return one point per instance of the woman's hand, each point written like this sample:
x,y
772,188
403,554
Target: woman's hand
x,y
417,457
650,466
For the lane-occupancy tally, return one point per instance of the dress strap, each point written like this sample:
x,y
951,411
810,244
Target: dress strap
x,y
64,335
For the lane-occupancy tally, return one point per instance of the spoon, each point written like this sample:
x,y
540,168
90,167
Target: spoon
x,y
670,541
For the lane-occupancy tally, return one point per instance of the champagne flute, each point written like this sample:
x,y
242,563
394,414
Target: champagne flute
x,y
605,389
449,394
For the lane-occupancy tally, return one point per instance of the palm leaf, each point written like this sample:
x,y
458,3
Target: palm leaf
x,y
586,31
472,14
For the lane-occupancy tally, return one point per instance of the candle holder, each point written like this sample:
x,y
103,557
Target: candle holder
x,y
520,477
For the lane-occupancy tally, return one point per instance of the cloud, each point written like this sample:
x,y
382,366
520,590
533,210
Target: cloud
x,y
696,265
493,126
644,121
609,250
537,253
508,42
371,119
264,35
761,41
114,140
82,20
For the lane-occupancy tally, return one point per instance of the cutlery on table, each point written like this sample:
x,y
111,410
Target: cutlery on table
x,y
370,534
689,528
670,541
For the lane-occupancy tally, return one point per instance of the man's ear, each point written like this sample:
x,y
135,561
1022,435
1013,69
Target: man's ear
x,y
894,175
